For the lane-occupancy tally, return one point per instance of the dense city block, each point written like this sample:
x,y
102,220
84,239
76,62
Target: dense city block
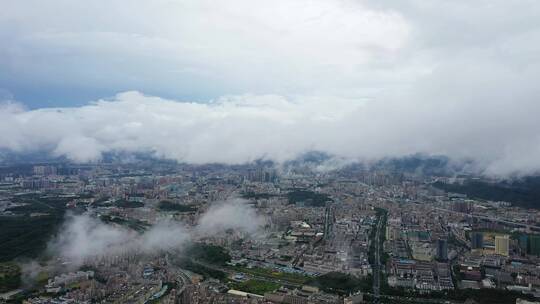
x,y
161,232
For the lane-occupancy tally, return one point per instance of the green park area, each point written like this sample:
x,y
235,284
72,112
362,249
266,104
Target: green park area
x,y
36,219
259,287
10,277
309,198
291,278
341,283
170,206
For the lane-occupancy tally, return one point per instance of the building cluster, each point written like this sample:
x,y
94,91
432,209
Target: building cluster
x,y
316,223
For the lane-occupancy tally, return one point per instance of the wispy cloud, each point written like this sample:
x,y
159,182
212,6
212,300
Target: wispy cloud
x,y
83,236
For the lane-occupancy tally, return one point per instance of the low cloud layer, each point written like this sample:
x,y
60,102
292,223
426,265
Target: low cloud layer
x,y
83,237
494,129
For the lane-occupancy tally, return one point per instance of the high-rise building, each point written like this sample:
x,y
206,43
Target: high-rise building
x,y
461,206
442,249
535,245
44,170
388,233
477,240
502,245
523,243
392,233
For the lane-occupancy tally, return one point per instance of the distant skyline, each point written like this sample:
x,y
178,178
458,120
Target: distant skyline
x,y
197,80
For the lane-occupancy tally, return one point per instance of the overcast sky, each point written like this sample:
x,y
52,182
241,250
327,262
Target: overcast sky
x,y
233,81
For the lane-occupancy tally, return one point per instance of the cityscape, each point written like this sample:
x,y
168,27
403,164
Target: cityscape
x,y
258,234
269,152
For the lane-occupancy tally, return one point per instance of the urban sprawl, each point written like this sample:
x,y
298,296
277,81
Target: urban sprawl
x,y
350,235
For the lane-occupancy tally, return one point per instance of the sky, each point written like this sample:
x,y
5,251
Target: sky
x,y
235,81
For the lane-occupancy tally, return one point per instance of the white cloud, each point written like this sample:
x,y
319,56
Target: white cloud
x,y
499,135
232,214
83,237
231,130
197,46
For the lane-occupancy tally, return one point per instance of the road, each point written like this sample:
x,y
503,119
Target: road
x,y
413,299
230,271
489,218
377,265
183,279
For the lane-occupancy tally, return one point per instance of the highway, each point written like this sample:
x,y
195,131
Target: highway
x,y
183,279
489,218
377,265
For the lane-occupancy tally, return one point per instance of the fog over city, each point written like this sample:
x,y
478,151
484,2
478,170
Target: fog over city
x,y
360,80
82,236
